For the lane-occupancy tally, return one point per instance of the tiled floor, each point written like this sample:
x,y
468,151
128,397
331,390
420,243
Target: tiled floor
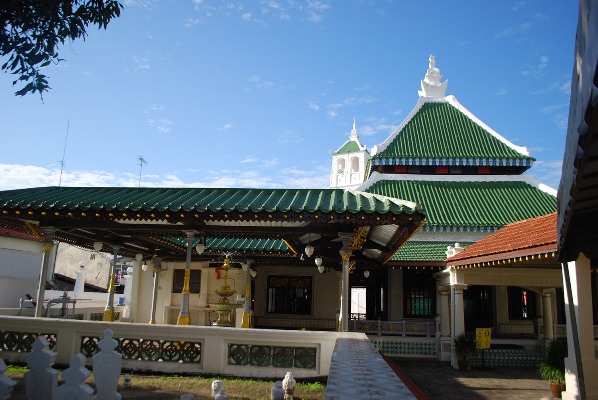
x,y
358,371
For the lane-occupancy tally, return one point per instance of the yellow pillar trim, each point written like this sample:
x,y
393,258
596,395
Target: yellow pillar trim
x,y
186,282
108,315
47,248
182,320
111,286
346,256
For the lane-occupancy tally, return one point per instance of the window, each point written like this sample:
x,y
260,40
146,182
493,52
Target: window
x,y
522,303
178,281
419,288
354,164
289,294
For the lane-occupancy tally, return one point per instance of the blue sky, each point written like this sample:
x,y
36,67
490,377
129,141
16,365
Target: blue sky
x,y
218,93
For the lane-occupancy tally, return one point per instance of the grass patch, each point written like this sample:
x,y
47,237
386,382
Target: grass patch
x,y
170,387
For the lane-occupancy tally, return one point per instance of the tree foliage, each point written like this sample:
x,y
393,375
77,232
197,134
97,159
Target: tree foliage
x,y
33,30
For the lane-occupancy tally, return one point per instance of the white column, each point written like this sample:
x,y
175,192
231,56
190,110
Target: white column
x,y
581,292
445,315
184,317
458,320
41,289
346,253
157,267
109,310
547,295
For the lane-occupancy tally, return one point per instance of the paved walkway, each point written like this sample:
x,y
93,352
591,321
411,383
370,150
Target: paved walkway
x,y
435,380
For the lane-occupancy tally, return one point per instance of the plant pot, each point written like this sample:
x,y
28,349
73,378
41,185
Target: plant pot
x,y
463,365
556,388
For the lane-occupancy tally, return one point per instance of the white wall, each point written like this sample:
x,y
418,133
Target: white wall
x,y
20,265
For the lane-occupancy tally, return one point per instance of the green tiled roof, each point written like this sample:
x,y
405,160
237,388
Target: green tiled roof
x,y
476,203
236,244
199,200
349,147
439,130
424,251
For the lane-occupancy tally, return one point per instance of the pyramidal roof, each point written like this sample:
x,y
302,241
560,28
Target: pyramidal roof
x,y
353,145
440,131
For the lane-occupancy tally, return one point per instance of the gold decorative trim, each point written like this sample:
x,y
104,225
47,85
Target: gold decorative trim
x,y
186,281
358,238
47,248
183,320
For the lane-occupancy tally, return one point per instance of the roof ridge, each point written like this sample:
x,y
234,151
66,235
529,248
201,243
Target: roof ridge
x,y
452,100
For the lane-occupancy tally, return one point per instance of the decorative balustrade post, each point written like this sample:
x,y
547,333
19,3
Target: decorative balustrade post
x,y
277,392
288,384
41,379
74,387
106,368
6,384
218,391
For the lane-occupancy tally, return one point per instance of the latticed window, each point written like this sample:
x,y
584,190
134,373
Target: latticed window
x,y
419,289
289,294
178,280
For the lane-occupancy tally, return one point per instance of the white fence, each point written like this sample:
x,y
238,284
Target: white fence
x,y
175,349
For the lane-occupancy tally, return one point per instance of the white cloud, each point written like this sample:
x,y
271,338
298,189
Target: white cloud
x,y
249,159
559,114
513,30
549,172
289,137
191,21
141,63
26,176
538,69
164,125
313,106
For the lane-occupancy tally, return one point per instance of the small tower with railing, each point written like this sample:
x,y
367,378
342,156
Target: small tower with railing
x,y
349,163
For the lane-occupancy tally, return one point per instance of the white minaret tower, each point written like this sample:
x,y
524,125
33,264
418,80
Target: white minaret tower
x,y
349,163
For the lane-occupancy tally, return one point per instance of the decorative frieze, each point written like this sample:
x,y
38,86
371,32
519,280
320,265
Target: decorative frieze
x,y
272,356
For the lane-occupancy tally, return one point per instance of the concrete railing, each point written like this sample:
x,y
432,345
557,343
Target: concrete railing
x,y
176,349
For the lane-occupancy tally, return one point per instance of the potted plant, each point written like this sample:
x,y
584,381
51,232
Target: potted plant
x,y
552,368
464,348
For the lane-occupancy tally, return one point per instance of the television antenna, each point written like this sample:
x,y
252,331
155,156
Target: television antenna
x,y
142,162
64,151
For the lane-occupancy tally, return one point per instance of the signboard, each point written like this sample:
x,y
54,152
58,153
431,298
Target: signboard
x,y
482,338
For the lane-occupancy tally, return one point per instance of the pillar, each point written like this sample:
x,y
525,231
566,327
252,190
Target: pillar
x,y
547,313
157,267
346,254
458,320
445,316
579,272
246,319
184,317
109,310
41,289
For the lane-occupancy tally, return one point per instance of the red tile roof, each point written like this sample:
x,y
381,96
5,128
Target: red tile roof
x,y
7,232
528,237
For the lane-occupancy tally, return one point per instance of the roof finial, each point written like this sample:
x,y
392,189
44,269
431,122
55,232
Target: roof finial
x,y
354,131
431,85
